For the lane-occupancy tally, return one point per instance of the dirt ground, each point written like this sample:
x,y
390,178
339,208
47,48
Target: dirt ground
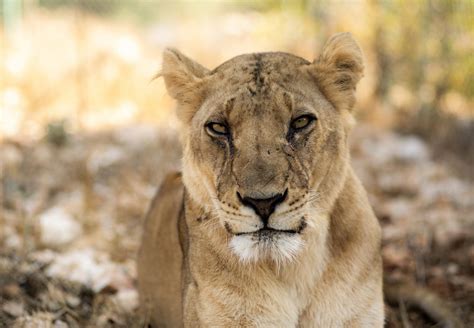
x,y
72,208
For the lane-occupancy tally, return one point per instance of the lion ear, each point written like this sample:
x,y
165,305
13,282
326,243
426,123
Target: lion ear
x,y
338,70
184,80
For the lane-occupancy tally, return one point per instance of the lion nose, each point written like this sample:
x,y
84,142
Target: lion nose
x,y
264,207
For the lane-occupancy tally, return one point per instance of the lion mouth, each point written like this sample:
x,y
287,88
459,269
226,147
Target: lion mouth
x,y
268,232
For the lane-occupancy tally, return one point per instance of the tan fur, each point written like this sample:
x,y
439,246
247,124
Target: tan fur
x,y
160,243
221,272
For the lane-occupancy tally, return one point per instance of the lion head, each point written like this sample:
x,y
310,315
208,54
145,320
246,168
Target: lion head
x,y
265,141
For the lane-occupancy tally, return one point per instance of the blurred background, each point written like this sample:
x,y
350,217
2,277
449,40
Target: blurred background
x,y
86,135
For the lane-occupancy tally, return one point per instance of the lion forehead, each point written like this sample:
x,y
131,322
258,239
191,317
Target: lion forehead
x,y
280,60
257,70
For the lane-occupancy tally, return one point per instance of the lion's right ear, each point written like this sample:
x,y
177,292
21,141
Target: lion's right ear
x,y
184,80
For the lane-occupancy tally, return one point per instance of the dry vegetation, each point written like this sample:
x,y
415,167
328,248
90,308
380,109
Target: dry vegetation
x,y
87,138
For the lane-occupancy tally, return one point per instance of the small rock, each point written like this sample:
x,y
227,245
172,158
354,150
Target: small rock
x,y
127,299
73,301
10,290
453,268
58,227
399,208
60,324
45,256
36,319
411,148
136,137
89,267
54,306
10,155
14,309
104,157
392,233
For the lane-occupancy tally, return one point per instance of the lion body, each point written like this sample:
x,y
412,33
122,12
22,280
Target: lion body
x,y
207,259
337,286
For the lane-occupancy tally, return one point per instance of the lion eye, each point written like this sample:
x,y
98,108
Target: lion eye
x,y
301,122
217,128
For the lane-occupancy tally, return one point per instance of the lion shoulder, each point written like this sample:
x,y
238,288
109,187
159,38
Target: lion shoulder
x,y
159,265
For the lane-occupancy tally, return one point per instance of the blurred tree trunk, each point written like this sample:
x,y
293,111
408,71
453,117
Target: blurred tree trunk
x,y
379,48
442,12
436,71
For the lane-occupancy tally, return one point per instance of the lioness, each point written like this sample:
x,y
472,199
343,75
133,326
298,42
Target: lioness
x,y
268,225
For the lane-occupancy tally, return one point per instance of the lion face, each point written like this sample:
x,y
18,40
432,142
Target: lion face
x,y
265,141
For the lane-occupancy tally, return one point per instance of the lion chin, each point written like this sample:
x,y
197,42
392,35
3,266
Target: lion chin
x,y
264,245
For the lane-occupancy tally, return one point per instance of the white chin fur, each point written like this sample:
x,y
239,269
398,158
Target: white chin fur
x,y
281,248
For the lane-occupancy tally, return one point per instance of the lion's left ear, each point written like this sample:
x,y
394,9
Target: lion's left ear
x,y
338,70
